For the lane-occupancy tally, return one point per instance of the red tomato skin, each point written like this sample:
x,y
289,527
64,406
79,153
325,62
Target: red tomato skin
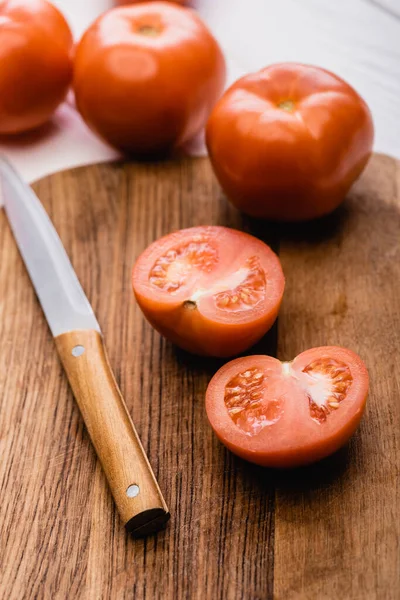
x,y
289,165
288,454
36,48
295,457
193,330
156,91
199,335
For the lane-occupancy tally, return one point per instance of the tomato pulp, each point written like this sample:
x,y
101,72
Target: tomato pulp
x,y
287,414
288,142
210,290
146,77
35,63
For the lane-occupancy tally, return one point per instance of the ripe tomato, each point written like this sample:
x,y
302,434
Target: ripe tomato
x,y
210,290
147,76
35,63
288,142
286,414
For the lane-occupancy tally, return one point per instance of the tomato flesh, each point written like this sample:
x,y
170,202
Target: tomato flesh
x,y
288,414
210,290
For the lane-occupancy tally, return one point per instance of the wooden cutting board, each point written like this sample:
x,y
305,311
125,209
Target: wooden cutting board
x,y
237,531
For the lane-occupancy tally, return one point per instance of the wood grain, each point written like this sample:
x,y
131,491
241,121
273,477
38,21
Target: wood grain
x,y
112,432
236,531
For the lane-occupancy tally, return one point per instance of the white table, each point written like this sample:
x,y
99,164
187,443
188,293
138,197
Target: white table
x,y
357,39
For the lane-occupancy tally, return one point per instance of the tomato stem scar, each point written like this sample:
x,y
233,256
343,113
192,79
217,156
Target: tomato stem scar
x,y
148,30
190,304
287,105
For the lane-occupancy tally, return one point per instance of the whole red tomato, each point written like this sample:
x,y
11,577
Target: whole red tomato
x,y
288,142
147,76
35,63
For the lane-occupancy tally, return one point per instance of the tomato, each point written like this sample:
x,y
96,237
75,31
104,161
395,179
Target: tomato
x,y
35,63
287,414
147,76
210,290
288,142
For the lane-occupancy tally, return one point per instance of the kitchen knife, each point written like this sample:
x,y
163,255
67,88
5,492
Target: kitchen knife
x,y
80,346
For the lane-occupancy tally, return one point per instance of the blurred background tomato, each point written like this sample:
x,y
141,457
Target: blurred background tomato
x,y
147,76
35,63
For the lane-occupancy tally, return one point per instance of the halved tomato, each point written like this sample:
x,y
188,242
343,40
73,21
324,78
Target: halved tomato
x,y
286,414
210,290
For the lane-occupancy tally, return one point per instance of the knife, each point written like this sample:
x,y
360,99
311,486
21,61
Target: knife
x,y
79,343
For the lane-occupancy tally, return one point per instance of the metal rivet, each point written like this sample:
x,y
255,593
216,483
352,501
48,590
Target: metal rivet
x,y
133,491
78,351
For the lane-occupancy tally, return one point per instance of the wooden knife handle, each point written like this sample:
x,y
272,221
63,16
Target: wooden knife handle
x,y
128,471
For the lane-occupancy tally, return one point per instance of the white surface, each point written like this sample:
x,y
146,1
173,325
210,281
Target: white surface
x,y
357,39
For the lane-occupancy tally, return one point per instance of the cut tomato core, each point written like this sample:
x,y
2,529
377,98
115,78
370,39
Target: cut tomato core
x,y
250,288
326,382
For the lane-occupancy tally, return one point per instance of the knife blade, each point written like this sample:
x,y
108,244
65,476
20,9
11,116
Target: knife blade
x,y
80,346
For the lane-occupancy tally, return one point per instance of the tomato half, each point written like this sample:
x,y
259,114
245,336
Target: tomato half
x,y
288,142
286,414
210,290
147,76
35,63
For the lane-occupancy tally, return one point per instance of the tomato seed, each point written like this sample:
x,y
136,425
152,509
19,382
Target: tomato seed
x,y
244,402
195,255
247,294
337,376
